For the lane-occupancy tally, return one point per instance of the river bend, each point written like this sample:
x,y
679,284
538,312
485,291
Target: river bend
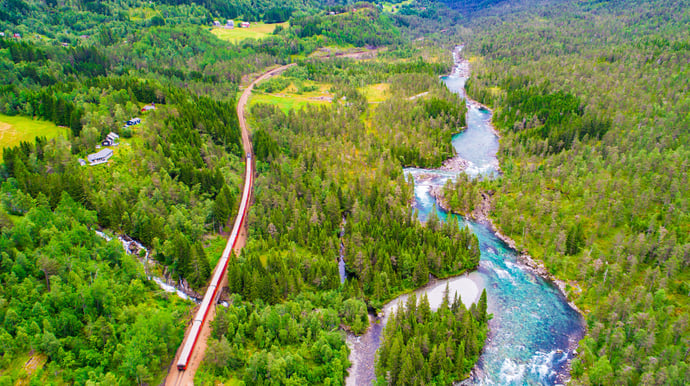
x,y
534,331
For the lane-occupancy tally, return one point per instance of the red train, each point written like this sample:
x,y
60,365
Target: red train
x,y
212,292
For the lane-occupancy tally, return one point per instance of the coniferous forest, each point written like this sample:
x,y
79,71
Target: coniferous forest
x,y
590,100
422,346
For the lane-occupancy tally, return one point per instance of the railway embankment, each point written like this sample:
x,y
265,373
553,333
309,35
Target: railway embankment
x,y
191,352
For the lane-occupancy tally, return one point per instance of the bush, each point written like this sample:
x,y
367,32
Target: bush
x,y
272,85
126,132
157,21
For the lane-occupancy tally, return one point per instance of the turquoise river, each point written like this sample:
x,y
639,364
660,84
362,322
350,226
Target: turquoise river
x,y
534,331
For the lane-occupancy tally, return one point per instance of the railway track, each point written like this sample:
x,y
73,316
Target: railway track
x,y
191,352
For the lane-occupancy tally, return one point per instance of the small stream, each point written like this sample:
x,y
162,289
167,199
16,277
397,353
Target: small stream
x,y
534,331
133,247
341,255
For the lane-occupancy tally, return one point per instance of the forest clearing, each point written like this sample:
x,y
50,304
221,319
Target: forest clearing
x,y
15,129
256,30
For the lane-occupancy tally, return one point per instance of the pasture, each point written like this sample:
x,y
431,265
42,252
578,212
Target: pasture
x,y
292,98
15,129
255,31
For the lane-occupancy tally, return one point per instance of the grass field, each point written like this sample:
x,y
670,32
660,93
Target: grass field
x,y
29,369
388,7
142,13
375,93
289,99
255,31
14,130
335,50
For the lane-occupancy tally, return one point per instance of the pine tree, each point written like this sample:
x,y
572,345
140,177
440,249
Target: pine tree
x,y
445,304
424,310
421,272
395,361
481,307
200,268
222,206
408,371
181,252
460,359
575,239
411,310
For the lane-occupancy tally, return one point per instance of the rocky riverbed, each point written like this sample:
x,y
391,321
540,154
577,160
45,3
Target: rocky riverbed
x,y
481,214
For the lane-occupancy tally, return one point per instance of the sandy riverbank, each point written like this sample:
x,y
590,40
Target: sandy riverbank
x,y
363,348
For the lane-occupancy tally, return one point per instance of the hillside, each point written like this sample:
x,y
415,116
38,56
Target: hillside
x,y
171,182
591,101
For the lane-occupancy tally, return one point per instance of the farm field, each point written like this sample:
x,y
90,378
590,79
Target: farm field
x,y
290,99
15,129
389,7
255,31
375,93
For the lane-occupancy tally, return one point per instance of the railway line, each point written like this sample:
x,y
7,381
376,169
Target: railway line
x,y
191,352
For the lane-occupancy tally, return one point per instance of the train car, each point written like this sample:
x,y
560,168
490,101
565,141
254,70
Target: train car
x,y
212,291
187,350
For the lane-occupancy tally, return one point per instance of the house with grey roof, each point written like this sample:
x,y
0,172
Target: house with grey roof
x,y
101,157
110,139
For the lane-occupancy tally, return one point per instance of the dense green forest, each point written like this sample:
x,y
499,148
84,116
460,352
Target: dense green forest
x,y
333,174
174,180
80,301
463,195
421,346
591,101
350,27
293,342
188,147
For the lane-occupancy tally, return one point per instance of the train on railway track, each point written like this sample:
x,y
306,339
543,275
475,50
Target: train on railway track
x,y
212,292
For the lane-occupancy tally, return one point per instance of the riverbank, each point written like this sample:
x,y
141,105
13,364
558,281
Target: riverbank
x,y
363,347
533,332
455,165
537,266
462,69
482,214
164,279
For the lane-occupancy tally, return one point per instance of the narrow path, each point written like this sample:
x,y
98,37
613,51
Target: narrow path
x,y
421,94
186,377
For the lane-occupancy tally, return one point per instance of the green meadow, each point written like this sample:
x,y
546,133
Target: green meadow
x,y
292,99
255,31
15,129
